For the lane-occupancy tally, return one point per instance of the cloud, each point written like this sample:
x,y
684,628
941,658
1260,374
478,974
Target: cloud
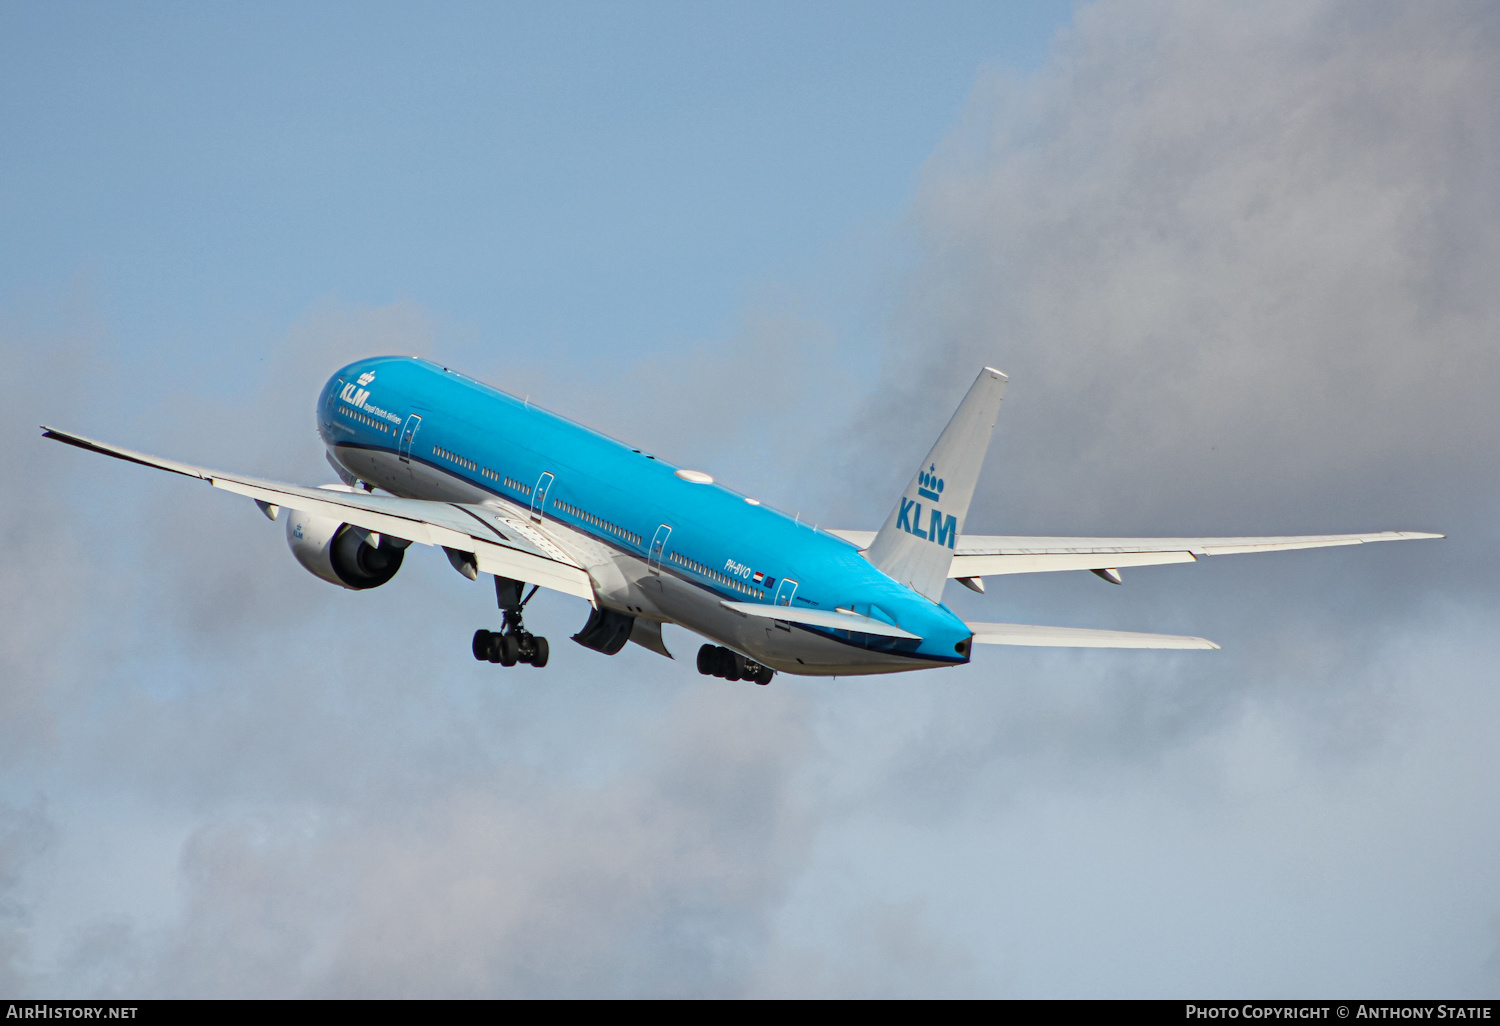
x,y
25,837
1238,263
45,578
1230,257
506,880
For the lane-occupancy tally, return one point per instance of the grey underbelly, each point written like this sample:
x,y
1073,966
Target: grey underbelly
x,y
782,646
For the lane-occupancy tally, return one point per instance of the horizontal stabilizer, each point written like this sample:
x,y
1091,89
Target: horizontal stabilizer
x,y
1078,637
833,619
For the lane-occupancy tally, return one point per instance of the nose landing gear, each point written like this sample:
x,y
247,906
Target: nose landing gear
x,y
716,661
513,644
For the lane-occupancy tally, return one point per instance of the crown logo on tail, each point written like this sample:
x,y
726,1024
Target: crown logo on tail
x,y
929,485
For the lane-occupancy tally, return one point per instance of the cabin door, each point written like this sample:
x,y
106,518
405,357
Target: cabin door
x,y
539,497
658,545
785,590
408,436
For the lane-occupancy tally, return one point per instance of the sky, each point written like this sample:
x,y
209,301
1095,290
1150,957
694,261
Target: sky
x,y
1240,262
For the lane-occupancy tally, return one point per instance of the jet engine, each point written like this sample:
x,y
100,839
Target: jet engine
x,y
347,556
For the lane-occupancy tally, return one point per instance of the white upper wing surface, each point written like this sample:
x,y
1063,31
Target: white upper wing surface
x,y
987,555
501,544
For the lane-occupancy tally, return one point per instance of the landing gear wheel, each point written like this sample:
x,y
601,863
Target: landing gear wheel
x,y
513,644
715,661
505,649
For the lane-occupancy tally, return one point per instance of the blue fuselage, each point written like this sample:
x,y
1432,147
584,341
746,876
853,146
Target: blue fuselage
x,y
420,430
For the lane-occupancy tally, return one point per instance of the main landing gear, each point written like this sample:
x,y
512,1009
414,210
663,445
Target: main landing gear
x,y
721,662
514,644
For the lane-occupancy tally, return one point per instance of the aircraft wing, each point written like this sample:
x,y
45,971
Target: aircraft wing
x,y
502,544
985,555
1078,637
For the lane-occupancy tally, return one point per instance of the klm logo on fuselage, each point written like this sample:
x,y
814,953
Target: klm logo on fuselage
x,y
358,396
941,528
354,396
357,393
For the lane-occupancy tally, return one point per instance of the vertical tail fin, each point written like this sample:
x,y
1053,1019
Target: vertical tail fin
x,y
915,545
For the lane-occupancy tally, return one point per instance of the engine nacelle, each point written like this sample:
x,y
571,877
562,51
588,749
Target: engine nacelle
x,y
341,554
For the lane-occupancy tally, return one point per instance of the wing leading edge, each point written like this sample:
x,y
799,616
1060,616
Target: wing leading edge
x,y
980,555
498,546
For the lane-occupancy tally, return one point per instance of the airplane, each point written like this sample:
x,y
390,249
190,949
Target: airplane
x,y
510,490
